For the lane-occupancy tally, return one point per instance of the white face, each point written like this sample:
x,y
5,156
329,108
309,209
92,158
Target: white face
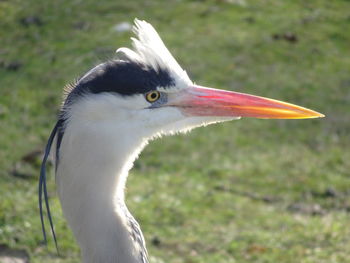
x,y
171,110
153,114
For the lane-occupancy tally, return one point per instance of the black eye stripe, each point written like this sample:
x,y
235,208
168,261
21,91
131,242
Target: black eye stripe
x,y
122,77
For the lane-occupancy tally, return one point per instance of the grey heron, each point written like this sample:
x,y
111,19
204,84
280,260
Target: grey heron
x,y
108,116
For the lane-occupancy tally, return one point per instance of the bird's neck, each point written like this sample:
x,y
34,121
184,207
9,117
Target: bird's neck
x,y
91,175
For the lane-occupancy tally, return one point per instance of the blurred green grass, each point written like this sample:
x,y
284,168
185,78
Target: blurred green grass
x,y
245,191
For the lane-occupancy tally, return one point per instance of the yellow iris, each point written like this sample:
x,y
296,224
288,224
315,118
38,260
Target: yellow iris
x,y
152,96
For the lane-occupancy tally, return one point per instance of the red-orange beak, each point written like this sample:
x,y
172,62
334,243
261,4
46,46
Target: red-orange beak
x,y
201,101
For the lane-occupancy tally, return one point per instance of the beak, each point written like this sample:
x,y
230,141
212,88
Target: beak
x,y
202,101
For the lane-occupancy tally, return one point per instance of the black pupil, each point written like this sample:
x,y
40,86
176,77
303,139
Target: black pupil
x,y
153,95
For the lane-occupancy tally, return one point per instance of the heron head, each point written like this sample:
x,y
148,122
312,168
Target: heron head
x,y
146,89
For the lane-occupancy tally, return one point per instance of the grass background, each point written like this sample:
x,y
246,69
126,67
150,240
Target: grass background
x,y
245,191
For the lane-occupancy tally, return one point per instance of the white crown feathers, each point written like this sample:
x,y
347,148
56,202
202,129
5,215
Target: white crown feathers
x,y
150,50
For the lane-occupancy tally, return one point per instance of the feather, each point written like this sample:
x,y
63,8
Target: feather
x,y
68,89
150,50
43,189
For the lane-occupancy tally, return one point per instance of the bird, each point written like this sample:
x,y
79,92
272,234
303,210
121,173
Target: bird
x,y
107,117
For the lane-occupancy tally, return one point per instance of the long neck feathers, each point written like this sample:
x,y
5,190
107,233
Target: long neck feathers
x,y
91,174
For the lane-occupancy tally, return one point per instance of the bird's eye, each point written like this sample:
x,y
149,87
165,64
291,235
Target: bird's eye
x,y
152,96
